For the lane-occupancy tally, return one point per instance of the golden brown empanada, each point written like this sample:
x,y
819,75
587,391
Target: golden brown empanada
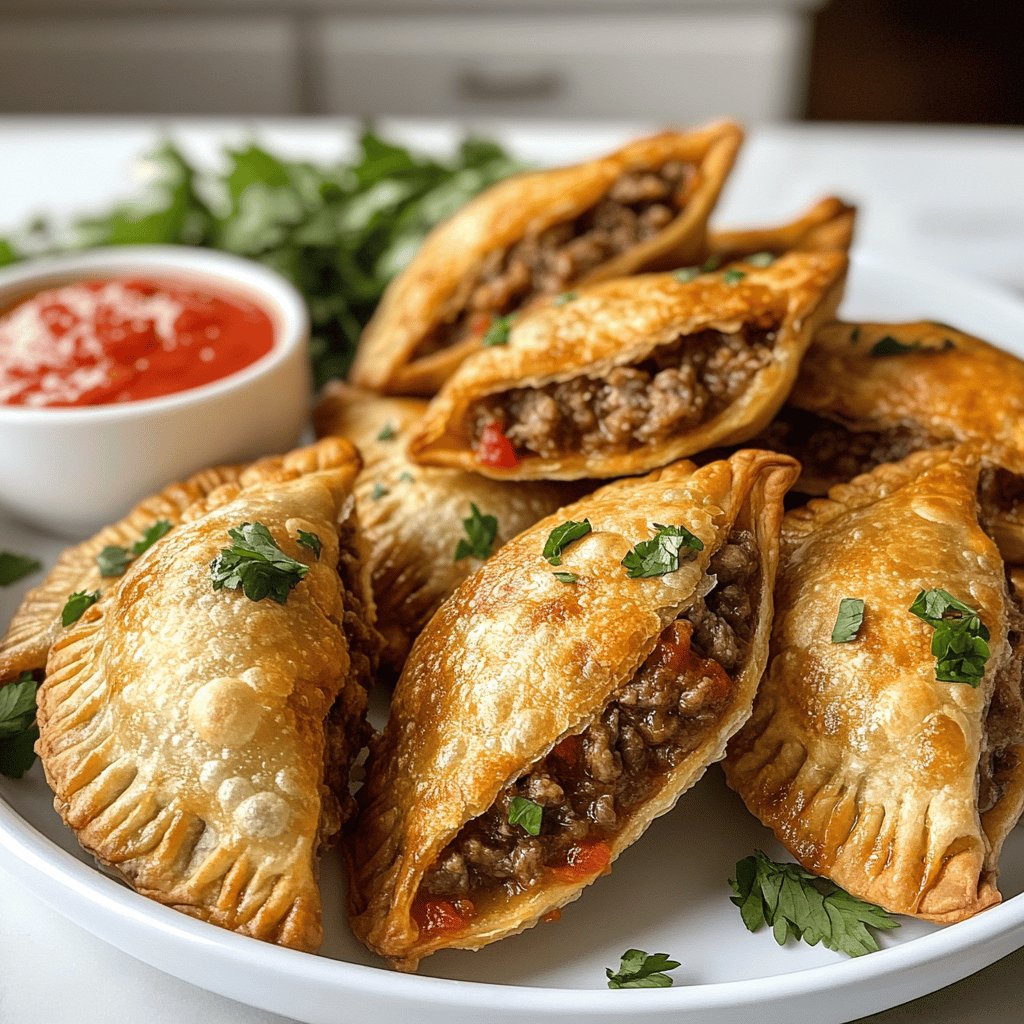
x,y
633,373
411,517
898,786
197,741
535,235
827,226
36,624
590,700
871,393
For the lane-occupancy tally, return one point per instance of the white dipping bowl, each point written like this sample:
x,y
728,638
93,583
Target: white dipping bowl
x,y
72,470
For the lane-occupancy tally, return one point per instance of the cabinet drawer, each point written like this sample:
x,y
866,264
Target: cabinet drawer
x,y
680,67
149,65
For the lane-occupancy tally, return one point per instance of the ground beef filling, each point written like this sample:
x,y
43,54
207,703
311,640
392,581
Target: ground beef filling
x,y
591,783
678,386
637,206
830,452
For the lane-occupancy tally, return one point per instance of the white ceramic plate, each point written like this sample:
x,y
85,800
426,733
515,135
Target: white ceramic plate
x,y
668,893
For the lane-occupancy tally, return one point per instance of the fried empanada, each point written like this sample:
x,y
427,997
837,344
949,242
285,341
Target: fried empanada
x,y
197,740
411,517
554,706
872,392
869,768
826,227
534,235
634,373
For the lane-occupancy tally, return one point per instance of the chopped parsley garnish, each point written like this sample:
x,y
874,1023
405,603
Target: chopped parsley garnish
x,y
710,264
565,577
561,300
480,533
16,567
406,477
76,606
18,730
562,536
848,621
256,565
387,432
638,969
796,904
660,555
379,491
498,332
526,814
732,276
761,259
311,541
684,275
114,560
890,346
960,643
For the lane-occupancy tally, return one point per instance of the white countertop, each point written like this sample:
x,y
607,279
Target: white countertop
x,y
949,196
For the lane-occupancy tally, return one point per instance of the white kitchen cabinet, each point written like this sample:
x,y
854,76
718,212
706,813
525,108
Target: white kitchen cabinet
x,y
156,64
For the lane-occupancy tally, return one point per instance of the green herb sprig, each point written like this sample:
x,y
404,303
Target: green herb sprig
x,y
526,814
848,621
114,561
638,969
562,536
16,567
256,565
796,904
960,642
498,332
661,554
18,729
890,346
76,606
310,540
481,531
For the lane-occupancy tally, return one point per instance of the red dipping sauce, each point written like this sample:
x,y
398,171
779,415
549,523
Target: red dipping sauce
x,y
124,340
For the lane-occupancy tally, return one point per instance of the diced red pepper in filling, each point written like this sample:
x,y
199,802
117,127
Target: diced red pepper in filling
x,y
479,322
495,449
569,750
436,917
583,861
675,653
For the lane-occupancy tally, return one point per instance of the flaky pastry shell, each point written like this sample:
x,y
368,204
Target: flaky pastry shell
x,y
425,296
625,323
198,742
516,661
865,766
411,517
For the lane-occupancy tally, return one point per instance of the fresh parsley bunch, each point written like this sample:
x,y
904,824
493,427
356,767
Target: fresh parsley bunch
x,y
960,643
256,565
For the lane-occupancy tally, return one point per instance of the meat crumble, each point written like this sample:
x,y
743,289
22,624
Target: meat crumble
x,y
679,385
591,783
639,204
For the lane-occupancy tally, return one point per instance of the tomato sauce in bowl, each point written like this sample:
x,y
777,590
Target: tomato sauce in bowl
x,y
105,342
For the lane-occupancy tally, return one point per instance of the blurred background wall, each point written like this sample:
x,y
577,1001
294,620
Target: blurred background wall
x,y
681,60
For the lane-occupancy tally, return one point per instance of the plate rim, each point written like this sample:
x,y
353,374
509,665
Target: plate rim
x,y
45,868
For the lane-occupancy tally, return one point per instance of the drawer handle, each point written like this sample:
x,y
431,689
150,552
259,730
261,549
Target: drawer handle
x,y
474,84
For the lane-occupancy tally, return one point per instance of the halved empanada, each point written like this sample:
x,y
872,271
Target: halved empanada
x,y
535,235
198,741
873,393
587,699
827,226
898,786
633,373
411,517
36,624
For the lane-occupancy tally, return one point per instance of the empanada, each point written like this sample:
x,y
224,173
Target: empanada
x,y
870,393
198,740
869,768
536,235
633,373
574,694
825,227
411,517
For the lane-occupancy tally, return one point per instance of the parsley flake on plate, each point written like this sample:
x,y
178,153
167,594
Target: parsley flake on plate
x,y
76,606
848,621
114,560
796,904
256,565
526,814
480,533
890,346
16,567
18,730
562,536
660,555
638,969
565,577
498,332
310,540
960,643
